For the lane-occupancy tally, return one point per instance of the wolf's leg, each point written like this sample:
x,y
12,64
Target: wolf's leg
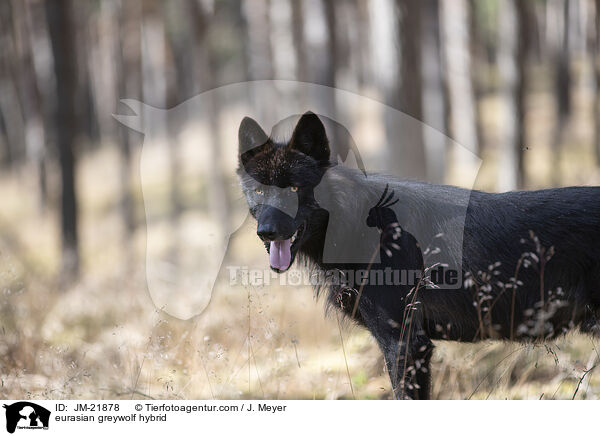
x,y
402,380
408,365
407,359
423,349
387,334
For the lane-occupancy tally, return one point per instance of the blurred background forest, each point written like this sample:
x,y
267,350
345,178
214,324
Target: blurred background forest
x,y
516,81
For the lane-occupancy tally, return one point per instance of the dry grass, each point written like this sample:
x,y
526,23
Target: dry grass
x,y
105,339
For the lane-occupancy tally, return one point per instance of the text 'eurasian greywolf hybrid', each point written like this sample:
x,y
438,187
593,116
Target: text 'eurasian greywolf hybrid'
x,y
415,262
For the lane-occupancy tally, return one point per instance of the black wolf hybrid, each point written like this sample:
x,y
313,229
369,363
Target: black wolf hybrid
x,y
415,262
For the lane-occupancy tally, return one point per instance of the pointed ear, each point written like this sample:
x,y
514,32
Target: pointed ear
x,y
250,136
252,140
310,138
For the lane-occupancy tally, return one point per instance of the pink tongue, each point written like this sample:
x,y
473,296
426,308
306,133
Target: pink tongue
x,y
280,254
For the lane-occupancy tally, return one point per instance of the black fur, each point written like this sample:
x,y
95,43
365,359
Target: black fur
x,y
530,261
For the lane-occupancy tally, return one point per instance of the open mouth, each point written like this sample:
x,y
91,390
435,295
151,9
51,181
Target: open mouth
x,y
283,252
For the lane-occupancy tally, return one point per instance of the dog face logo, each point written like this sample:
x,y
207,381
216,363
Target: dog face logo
x,y
182,271
26,415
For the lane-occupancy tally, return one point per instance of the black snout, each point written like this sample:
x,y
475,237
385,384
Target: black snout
x,y
267,232
273,224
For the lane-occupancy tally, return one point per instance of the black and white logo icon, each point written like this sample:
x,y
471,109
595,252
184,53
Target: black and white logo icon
x,y
26,415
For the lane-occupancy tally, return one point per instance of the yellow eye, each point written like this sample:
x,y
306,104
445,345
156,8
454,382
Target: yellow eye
x,y
294,188
259,191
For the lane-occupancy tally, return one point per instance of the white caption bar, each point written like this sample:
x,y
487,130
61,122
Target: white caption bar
x,y
151,417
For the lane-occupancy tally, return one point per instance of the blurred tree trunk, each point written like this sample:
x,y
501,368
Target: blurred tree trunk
x,y
177,88
282,42
242,33
410,74
332,62
514,26
343,20
97,69
526,26
129,80
477,52
29,96
34,119
410,158
258,39
458,66
363,42
434,97
39,39
596,73
174,28
384,24
259,53
4,147
89,116
299,41
207,64
538,47
62,37
332,46
562,88
10,102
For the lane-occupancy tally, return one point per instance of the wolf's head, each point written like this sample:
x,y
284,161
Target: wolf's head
x,y
278,180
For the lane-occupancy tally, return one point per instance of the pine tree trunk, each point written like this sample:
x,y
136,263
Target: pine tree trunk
x,y
30,97
129,82
596,73
562,89
62,37
458,66
434,97
207,61
299,40
525,27
411,157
